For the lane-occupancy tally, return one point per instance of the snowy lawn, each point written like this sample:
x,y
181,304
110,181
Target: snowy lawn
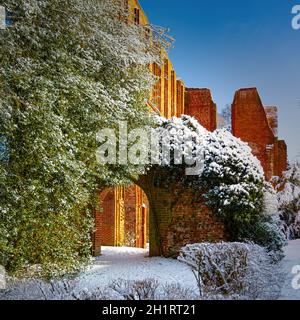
x,y
292,258
134,264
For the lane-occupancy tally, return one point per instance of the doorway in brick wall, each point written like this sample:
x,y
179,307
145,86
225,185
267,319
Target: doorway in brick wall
x,y
121,219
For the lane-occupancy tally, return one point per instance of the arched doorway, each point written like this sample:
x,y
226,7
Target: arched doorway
x,y
121,218
176,215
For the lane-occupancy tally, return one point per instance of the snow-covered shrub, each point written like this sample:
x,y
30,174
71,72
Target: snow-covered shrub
x,y
230,178
235,187
175,291
120,289
268,230
233,269
289,201
100,293
148,289
36,289
68,69
136,290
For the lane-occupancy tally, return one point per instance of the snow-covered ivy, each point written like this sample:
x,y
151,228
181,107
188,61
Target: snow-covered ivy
x,y
68,69
231,179
289,201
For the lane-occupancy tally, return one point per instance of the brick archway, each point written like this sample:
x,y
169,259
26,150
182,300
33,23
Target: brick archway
x,y
177,217
168,218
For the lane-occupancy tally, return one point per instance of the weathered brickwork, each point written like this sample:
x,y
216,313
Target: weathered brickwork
x,y
190,223
136,216
178,218
173,218
253,123
272,117
282,157
104,233
199,104
107,217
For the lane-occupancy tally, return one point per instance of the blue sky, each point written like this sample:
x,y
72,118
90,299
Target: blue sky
x,y
227,45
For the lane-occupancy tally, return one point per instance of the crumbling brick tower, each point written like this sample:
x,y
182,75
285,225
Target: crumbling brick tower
x,y
253,123
200,105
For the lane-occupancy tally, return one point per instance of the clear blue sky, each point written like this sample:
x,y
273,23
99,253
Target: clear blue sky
x,y
225,45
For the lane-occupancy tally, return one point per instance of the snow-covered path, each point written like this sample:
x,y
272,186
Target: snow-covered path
x,y
292,258
133,264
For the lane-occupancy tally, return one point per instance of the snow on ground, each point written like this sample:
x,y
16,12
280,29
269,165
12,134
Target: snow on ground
x,y
292,258
134,264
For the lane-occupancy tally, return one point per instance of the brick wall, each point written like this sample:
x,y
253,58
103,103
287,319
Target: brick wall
x,y
130,215
177,218
272,117
282,157
199,104
106,229
254,124
136,211
191,223
180,98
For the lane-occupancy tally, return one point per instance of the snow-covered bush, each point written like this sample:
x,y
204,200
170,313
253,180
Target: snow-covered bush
x,y
136,290
234,180
289,201
267,231
36,289
175,291
233,269
100,293
120,289
68,69
151,289
230,178
146,289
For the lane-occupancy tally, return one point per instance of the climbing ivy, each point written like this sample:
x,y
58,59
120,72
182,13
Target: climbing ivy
x,y
68,69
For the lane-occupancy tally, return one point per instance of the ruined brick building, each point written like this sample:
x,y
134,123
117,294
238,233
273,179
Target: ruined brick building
x,y
123,219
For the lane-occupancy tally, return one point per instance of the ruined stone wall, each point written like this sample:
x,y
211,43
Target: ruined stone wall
x,y
177,218
199,104
272,117
282,157
253,123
